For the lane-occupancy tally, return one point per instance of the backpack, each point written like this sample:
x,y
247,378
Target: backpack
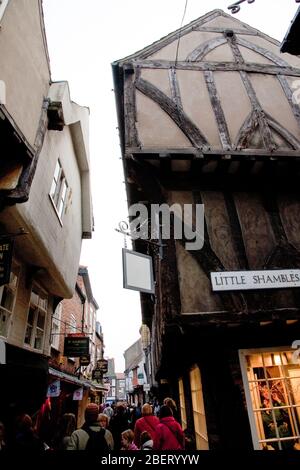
x,y
96,443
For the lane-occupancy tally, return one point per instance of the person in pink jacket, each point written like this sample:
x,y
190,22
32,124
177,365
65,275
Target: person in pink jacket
x,y
127,440
169,434
148,423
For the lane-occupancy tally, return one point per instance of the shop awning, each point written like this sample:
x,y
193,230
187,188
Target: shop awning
x,y
68,378
98,387
58,374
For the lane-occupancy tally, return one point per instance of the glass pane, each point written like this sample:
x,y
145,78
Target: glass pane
x,y
30,319
13,280
57,171
4,319
43,302
34,298
41,320
38,343
60,208
53,189
274,391
28,334
7,300
64,190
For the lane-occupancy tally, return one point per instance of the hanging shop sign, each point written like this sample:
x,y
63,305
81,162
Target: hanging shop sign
x,y
85,360
54,389
102,364
78,394
246,280
76,346
138,271
6,249
97,374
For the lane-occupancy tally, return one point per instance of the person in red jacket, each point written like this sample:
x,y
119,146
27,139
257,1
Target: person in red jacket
x,y
169,434
147,422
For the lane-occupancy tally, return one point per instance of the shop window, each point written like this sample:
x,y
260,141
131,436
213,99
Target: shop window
x,y
272,386
59,188
8,294
182,404
36,320
198,409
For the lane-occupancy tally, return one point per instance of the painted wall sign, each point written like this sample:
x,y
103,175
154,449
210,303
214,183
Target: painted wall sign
x,y
245,280
6,248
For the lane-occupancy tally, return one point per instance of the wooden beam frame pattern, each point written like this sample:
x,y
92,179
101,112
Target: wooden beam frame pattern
x,y
289,95
175,91
131,134
153,48
219,66
190,130
217,108
200,52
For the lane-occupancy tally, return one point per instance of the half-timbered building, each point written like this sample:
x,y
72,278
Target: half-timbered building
x,y
209,115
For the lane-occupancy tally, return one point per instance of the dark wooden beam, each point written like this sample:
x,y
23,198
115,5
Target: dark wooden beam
x,y
286,70
190,130
191,152
198,54
131,134
218,110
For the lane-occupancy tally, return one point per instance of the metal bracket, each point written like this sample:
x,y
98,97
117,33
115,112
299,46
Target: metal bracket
x,y
235,8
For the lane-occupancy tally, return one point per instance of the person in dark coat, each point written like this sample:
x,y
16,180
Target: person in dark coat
x,y
118,424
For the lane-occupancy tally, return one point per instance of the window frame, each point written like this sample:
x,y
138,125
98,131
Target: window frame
x,y
37,308
182,404
59,190
196,393
56,322
15,269
3,6
243,353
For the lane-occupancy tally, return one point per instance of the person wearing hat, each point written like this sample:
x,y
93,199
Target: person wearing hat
x,y
90,432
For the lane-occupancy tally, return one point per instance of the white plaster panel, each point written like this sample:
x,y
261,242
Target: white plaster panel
x,y
224,22
251,56
196,104
155,128
220,54
187,44
262,42
159,78
23,64
61,244
234,100
273,100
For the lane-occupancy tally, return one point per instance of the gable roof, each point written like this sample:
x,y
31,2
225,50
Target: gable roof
x,y
193,25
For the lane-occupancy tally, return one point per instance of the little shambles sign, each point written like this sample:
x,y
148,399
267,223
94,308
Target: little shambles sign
x,y
246,280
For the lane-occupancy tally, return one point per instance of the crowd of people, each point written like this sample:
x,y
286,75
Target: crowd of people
x,y
119,426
